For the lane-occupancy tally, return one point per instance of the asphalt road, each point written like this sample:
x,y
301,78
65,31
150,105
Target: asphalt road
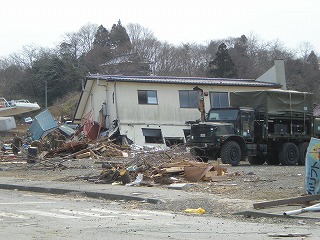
x,y
26,215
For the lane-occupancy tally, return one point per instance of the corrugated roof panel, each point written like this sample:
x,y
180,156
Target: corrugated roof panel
x,y
184,80
41,124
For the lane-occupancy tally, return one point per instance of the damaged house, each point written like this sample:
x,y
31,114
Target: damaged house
x,y
153,110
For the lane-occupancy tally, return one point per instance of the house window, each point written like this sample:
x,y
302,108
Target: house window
x,y
219,99
152,135
189,99
147,97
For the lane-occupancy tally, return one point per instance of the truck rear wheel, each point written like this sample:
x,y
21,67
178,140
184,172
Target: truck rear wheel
x,y
289,154
256,160
303,147
231,153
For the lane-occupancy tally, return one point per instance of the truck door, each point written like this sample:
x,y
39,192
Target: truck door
x,y
247,125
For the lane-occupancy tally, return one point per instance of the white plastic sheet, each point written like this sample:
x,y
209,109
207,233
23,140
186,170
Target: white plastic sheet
x,y
312,183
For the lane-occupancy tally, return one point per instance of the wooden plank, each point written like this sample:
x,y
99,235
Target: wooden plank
x,y
93,154
83,155
172,170
302,199
194,173
77,153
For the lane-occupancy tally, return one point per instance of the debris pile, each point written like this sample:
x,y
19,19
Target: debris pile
x,y
123,164
154,167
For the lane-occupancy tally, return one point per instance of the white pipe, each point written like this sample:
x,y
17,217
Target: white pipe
x,y
313,208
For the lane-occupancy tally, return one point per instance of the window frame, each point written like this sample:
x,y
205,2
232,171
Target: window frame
x,y
220,100
183,99
148,97
152,135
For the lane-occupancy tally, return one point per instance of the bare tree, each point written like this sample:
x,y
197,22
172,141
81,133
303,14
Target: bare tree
x,y
304,49
26,56
86,35
144,43
78,43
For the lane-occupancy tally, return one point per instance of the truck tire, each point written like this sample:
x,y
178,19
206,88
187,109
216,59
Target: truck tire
x,y
231,153
289,154
303,147
256,160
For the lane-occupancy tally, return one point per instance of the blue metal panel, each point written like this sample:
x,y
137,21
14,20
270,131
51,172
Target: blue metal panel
x,y
42,124
67,130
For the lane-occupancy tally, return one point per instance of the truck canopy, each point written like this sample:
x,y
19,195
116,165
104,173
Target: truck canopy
x,y
274,101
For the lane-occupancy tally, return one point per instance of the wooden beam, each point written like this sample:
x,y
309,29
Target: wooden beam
x,y
302,199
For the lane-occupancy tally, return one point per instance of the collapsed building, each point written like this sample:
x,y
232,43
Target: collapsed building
x,y
155,110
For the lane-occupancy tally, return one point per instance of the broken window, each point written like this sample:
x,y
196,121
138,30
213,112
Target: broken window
x,y
171,141
189,99
152,135
147,97
219,99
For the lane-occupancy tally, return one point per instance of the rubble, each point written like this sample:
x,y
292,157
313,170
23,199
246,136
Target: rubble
x,y
122,164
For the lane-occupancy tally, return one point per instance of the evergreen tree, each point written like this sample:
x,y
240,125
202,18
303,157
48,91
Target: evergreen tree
x,y
240,57
119,39
222,65
102,37
313,60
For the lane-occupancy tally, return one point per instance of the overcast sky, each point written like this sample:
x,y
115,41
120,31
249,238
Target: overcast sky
x,y
43,22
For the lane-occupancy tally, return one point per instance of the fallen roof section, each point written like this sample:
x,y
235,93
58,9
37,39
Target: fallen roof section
x,y
43,124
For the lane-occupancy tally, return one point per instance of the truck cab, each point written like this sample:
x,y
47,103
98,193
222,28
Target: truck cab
x,y
224,133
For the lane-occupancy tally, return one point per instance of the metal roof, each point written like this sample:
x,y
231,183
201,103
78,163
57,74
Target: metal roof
x,y
184,80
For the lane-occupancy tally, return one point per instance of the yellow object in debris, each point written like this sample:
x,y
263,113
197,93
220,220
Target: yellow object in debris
x,y
195,210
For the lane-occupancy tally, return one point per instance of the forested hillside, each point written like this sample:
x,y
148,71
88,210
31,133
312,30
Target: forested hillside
x,y
90,49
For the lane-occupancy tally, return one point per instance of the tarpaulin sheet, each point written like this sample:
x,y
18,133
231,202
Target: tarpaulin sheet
x,y
313,167
274,101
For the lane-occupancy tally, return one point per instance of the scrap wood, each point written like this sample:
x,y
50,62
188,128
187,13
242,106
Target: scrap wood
x,y
93,154
302,199
182,163
83,155
66,148
171,170
289,234
73,155
110,150
195,173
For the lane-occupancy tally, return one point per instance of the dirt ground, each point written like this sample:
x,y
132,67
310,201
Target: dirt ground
x,y
243,185
257,183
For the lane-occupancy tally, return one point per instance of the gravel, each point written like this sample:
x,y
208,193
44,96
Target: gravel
x,y
243,186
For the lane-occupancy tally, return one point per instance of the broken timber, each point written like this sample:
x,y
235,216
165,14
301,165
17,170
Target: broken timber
x,y
302,199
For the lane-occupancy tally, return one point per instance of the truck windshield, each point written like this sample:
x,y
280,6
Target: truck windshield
x,y
223,114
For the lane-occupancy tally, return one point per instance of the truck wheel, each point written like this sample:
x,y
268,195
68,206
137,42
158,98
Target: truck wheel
x,y
231,153
289,154
256,160
303,147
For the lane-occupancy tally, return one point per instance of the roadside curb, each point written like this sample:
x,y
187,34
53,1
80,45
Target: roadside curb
x,y
90,194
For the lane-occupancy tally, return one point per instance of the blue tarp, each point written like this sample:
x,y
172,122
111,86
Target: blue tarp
x,y
42,124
